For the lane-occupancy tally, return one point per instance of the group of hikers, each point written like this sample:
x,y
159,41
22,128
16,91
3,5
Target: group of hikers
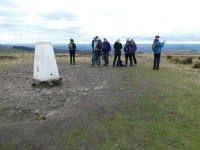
x,y
101,50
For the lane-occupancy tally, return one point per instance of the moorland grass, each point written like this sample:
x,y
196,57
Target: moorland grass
x,y
162,113
162,116
160,110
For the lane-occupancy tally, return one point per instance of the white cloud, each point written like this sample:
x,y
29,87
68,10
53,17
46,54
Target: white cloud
x,y
57,21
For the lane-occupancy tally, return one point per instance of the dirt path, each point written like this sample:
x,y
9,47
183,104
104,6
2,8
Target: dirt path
x,y
38,116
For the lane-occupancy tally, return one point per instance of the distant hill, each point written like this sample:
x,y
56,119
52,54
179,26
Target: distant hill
x,y
23,48
5,46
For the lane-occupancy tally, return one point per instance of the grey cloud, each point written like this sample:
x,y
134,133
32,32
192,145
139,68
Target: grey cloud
x,y
8,3
9,23
59,16
10,11
183,36
40,30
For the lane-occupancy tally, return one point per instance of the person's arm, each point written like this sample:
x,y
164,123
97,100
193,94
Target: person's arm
x,y
161,44
135,47
74,46
115,46
125,47
109,47
92,45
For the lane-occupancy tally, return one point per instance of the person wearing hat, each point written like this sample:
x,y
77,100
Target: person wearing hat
x,y
133,50
157,52
94,42
72,50
117,52
127,50
106,48
96,51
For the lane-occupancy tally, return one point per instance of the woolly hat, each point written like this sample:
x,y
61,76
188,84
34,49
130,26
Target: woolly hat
x,y
157,37
118,40
96,37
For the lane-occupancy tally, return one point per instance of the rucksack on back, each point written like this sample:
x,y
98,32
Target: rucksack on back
x,y
72,47
99,45
128,49
154,46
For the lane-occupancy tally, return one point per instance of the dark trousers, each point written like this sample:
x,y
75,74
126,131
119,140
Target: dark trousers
x,y
134,58
106,57
116,57
130,59
72,58
156,61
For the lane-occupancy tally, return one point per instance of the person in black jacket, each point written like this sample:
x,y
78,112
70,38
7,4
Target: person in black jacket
x,y
117,52
72,50
127,50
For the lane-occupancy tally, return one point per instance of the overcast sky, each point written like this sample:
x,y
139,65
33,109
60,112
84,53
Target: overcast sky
x,y
30,21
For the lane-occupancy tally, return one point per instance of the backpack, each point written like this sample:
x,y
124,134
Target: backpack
x,y
128,49
133,48
71,47
99,45
154,46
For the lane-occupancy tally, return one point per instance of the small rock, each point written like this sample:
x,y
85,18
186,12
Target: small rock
x,y
42,117
52,113
36,111
84,94
99,87
86,89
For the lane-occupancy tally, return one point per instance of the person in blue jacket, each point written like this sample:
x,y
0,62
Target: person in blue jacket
x,y
157,52
106,48
127,51
133,50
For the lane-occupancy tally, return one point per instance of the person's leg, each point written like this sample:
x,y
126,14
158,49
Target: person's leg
x,y
74,58
134,58
107,58
96,58
104,57
99,59
70,58
114,61
130,59
158,61
92,59
154,62
119,56
126,59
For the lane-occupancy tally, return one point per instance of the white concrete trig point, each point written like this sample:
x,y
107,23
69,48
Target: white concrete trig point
x,y
45,66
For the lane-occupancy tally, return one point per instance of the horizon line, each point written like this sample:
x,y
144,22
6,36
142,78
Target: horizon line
x,y
137,42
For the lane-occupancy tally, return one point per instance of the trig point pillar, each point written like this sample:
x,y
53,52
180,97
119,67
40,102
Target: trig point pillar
x,y
45,66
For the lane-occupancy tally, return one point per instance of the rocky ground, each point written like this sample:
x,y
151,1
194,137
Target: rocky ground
x,y
32,113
